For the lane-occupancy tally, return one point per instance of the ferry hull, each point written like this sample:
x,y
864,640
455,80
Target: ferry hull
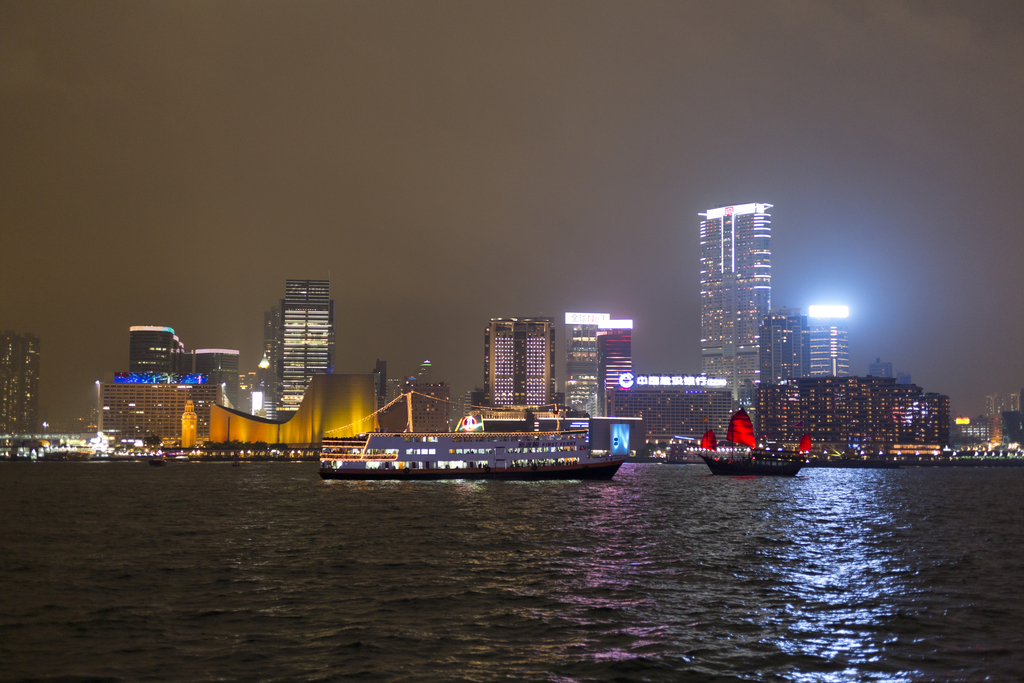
x,y
604,470
752,466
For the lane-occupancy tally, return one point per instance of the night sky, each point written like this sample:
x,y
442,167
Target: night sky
x,y
172,163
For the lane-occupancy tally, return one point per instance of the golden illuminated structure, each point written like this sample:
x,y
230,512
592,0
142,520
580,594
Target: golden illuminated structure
x,y
337,406
188,426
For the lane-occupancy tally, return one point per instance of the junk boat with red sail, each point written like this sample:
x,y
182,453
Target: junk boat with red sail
x,y
751,460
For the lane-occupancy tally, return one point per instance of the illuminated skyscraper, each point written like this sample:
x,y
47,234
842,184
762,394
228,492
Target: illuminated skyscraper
x,y
156,349
581,385
614,357
519,361
735,289
307,339
830,341
785,345
19,383
221,367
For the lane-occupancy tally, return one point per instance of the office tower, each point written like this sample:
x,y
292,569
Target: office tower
x,y
156,349
519,361
673,405
221,368
735,289
425,373
880,369
19,383
614,358
307,320
380,382
830,342
263,404
270,379
785,345
581,385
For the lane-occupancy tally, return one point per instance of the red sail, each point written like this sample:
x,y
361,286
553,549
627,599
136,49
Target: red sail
x,y
741,431
709,442
805,444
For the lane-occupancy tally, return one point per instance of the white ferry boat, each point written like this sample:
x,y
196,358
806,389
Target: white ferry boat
x,y
529,456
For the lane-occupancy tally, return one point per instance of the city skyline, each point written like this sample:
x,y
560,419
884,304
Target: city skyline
x,y
436,167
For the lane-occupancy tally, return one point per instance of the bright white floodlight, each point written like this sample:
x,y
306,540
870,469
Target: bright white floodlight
x,y
829,311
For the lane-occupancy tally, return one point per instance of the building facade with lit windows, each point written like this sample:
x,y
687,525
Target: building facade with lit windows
x,y
785,345
581,385
19,383
614,358
673,405
869,414
519,361
306,339
136,405
830,341
735,290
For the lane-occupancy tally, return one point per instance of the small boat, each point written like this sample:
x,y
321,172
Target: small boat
x,y
754,460
157,462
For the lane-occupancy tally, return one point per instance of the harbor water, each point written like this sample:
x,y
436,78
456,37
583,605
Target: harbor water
x,y
202,572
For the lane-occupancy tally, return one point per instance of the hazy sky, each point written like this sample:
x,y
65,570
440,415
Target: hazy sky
x,y
172,163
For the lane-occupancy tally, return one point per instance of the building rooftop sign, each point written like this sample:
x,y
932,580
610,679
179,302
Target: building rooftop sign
x,y
738,210
616,324
628,380
586,318
159,378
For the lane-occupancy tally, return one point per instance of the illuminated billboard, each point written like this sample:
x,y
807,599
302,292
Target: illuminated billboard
x,y
159,378
620,439
828,311
586,318
628,380
963,420
616,324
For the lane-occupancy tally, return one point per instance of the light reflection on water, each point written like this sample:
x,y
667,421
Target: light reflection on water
x,y
665,573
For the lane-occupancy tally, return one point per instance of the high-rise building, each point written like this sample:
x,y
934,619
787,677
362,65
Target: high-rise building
x,y
221,367
871,414
735,289
519,361
880,369
830,341
270,377
307,319
136,405
672,405
425,374
581,385
785,345
156,349
614,358
19,383
380,382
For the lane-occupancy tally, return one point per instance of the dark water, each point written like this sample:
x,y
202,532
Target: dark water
x,y
208,572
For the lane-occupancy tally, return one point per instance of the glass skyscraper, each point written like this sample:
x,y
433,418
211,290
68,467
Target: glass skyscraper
x,y
735,289
614,357
581,385
307,338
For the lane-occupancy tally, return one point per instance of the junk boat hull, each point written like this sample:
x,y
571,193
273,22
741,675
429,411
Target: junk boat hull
x,y
750,465
509,456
